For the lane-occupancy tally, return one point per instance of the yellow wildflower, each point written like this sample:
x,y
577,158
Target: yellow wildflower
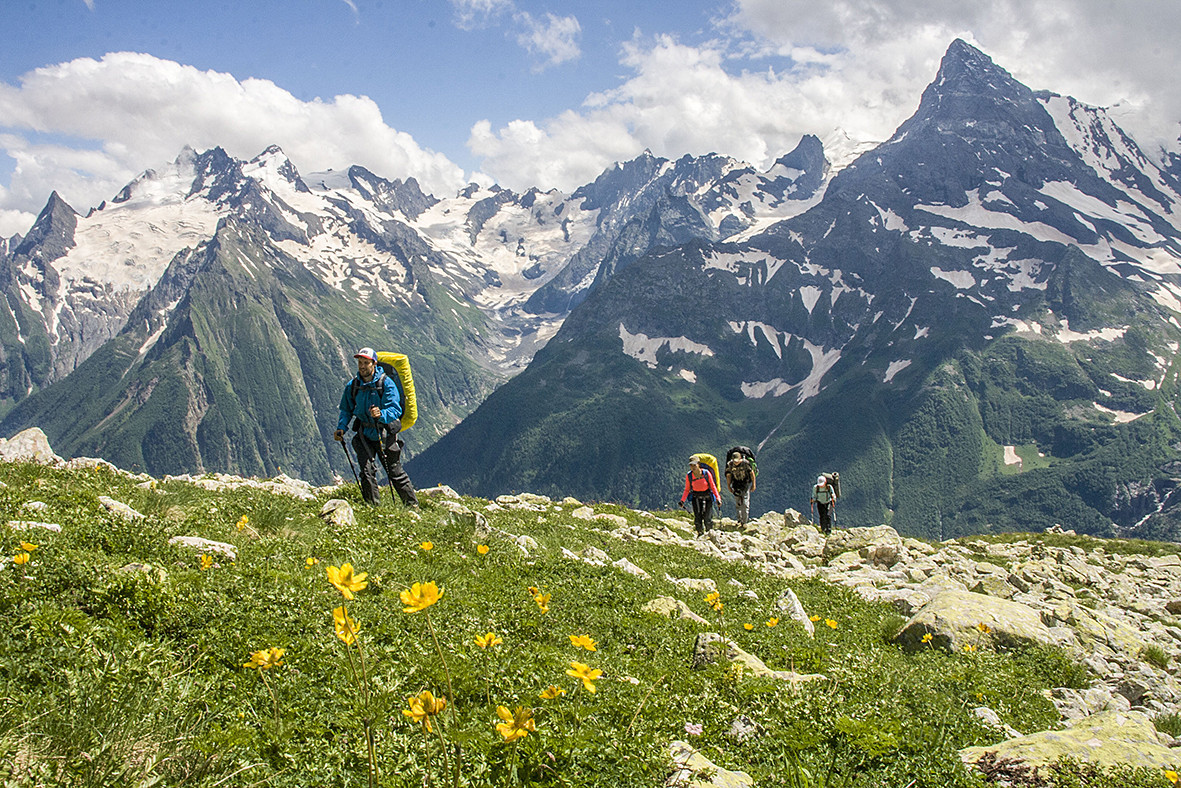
x,y
242,522
482,549
427,546
551,692
420,596
828,622
813,619
748,627
206,561
968,647
485,641
983,627
312,561
266,659
542,601
927,638
771,622
346,625
27,547
20,558
583,641
586,674
345,581
517,724
1171,776
423,706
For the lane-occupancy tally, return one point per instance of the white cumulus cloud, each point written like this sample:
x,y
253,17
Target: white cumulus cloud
x,y
554,40
86,127
778,69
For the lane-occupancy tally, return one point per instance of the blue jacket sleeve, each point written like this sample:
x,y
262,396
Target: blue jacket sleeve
x,y
391,402
346,408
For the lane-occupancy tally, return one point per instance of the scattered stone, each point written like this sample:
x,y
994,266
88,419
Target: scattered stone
x,y
710,647
280,485
439,490
631,569
744,728
618,520
153,573
594,555
338,512
790,605
29,445
29,525
526,544
672,608
35,506
205,546
993,720
119,508
878,545
706,585
691,769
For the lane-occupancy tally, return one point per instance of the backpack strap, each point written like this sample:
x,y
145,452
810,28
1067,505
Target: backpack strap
x,y
354,384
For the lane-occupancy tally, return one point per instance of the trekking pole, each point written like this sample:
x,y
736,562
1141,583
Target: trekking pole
x,y
351,466
382,432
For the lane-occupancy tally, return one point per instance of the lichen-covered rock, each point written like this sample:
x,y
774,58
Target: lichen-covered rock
x,y
1108,739
691,769
673,608
710,647
956,618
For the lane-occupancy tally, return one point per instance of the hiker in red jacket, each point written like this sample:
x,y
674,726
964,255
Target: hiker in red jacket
x,y
699,482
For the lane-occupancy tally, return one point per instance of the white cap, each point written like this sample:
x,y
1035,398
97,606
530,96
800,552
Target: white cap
x,y
820,480
366,352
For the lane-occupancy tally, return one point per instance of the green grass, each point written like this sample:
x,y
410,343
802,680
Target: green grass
x,y
135,676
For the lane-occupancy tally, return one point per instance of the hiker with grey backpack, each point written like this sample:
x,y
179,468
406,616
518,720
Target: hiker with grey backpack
x,y
373,406
740,478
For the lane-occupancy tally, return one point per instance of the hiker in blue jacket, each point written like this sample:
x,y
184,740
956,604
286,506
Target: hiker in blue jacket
x,y
371,401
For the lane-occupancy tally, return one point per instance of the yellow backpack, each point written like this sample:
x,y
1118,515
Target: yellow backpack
x,y
397,367
709,460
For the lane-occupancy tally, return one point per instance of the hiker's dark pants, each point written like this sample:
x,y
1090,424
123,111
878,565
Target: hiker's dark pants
x,y
367,455
824,512
703,508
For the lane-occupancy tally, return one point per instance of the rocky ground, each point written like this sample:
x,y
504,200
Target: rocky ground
x,y
1119,615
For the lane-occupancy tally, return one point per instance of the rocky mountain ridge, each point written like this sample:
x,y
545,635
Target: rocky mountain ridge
x,y
976,324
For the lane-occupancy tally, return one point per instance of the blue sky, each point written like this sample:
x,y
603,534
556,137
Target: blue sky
x,y
520,92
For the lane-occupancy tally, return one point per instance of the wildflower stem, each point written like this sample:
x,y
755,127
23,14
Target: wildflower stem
x,y
450,695
274,698
446,671
430,780
644,700
443,749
